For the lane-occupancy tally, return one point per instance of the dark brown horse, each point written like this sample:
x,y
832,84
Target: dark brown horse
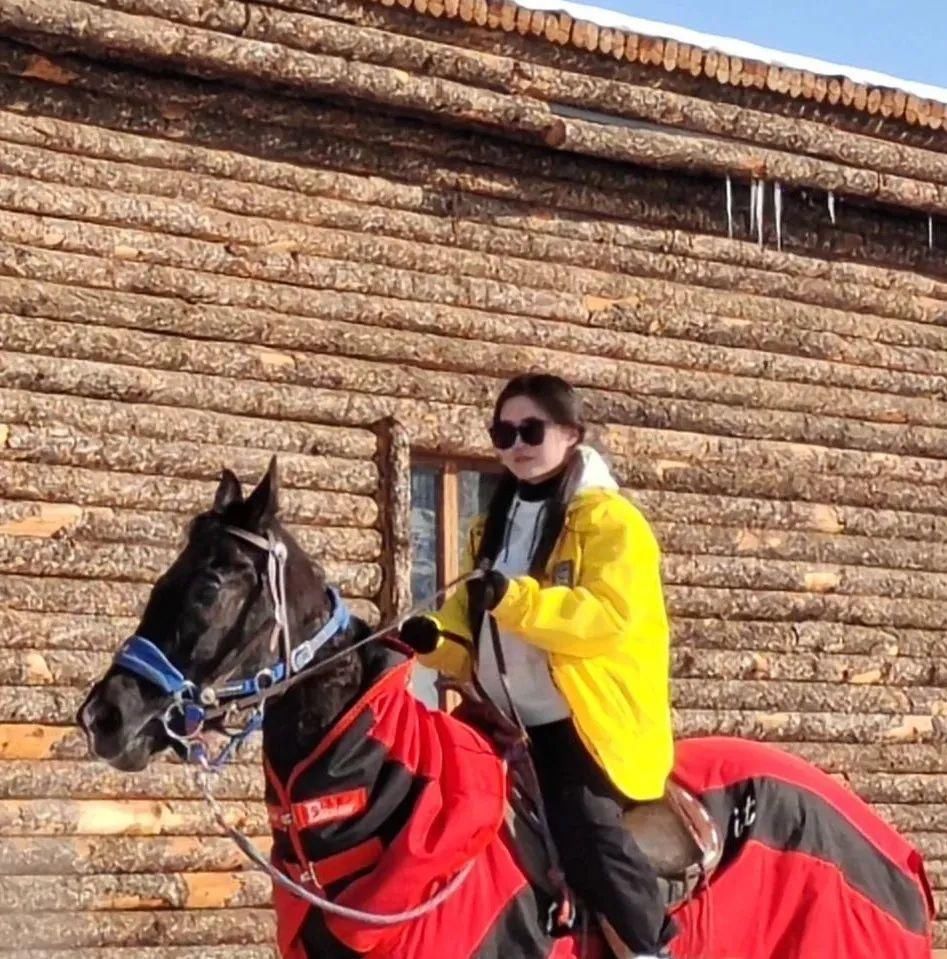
x,y
386,807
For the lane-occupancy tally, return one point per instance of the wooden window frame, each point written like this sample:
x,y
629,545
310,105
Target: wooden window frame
x,y
448,470
447,506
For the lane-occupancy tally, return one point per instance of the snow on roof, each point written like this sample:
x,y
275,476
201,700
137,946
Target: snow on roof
x,y
614,20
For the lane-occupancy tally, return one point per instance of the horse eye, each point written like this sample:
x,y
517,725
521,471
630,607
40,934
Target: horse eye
x,y
207,595
205,591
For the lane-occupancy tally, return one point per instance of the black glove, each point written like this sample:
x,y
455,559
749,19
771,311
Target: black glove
x,y
420,633
487,593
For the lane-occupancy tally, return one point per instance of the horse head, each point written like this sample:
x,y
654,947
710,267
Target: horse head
x,y
220,626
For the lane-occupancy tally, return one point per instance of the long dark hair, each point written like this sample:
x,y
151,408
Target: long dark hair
x,y
560,402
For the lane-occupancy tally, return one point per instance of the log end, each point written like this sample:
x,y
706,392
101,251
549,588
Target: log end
x,y
555,134
911,728
822,581
272,359
825,519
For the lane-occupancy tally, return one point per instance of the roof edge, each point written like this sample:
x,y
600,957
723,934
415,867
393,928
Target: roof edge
x,y
669,49
615,20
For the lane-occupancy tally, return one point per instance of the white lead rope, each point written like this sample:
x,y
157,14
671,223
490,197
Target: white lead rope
x,y
243,843
358,915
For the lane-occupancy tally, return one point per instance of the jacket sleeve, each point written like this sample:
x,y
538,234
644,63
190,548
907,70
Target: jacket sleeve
x,y
617,599
452,658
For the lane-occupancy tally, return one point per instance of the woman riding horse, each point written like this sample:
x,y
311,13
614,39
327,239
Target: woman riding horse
x,y
581,653
391,817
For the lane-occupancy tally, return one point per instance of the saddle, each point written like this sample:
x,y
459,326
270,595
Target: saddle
x,y
681,839
676,833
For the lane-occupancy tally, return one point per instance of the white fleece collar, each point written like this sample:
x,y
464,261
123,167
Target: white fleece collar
x,y
595,471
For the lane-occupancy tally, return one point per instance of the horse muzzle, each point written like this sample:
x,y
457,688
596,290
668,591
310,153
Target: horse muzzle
x,y
120,727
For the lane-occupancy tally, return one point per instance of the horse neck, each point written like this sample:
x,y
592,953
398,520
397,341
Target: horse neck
x,y
296,723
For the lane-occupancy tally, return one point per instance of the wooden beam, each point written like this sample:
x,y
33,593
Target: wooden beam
x,y
87,856
480,464
182,457
448,543
394,460
195,928
164,528
307,30
106,893
448,521
399,376
138,563
398,155
205,52
163,780
130,817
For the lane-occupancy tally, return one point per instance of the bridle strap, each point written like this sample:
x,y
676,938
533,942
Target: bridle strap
x,y
197,705
276,554
140,656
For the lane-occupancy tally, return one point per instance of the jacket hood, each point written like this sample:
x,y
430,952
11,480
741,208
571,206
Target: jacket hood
x,y
595,471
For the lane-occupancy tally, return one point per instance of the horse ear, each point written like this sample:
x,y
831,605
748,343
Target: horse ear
x,y
228,491
263,502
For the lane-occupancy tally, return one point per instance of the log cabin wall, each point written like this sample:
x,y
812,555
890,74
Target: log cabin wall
x,y
196,271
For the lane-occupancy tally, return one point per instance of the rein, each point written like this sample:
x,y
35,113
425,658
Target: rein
x,y
192,707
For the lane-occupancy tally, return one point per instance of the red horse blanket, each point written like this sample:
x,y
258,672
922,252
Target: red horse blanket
x,y
398,798
809,869
392,804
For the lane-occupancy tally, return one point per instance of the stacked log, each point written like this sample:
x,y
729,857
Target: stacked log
x,y
279,52
195,275
503,28
96,494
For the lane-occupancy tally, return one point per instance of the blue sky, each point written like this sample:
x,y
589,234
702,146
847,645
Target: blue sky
x,y
907,38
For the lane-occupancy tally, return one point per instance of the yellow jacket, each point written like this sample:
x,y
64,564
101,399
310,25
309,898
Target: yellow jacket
x,y
606,635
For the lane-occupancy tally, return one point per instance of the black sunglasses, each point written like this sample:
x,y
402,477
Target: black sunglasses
x,y
531,431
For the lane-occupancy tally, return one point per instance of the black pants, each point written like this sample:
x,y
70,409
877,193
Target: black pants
x,y
602,863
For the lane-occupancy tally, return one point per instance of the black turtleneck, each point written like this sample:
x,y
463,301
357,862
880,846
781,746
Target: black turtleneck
x,y
536,492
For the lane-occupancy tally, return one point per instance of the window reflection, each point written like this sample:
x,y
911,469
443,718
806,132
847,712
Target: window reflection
x,y
424,497
474,492
428,567
424,490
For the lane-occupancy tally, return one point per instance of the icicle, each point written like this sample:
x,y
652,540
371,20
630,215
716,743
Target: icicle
x,y
752,206
729,207
930,231
832,206
778,208
760,202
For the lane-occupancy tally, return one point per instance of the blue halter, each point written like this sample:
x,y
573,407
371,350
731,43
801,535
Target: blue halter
x,y
141,657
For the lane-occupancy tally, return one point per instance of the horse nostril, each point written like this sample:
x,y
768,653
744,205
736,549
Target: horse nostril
x,y
101,718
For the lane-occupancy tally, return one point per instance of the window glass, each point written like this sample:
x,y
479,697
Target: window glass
x,y
474,490
428,566
424,497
